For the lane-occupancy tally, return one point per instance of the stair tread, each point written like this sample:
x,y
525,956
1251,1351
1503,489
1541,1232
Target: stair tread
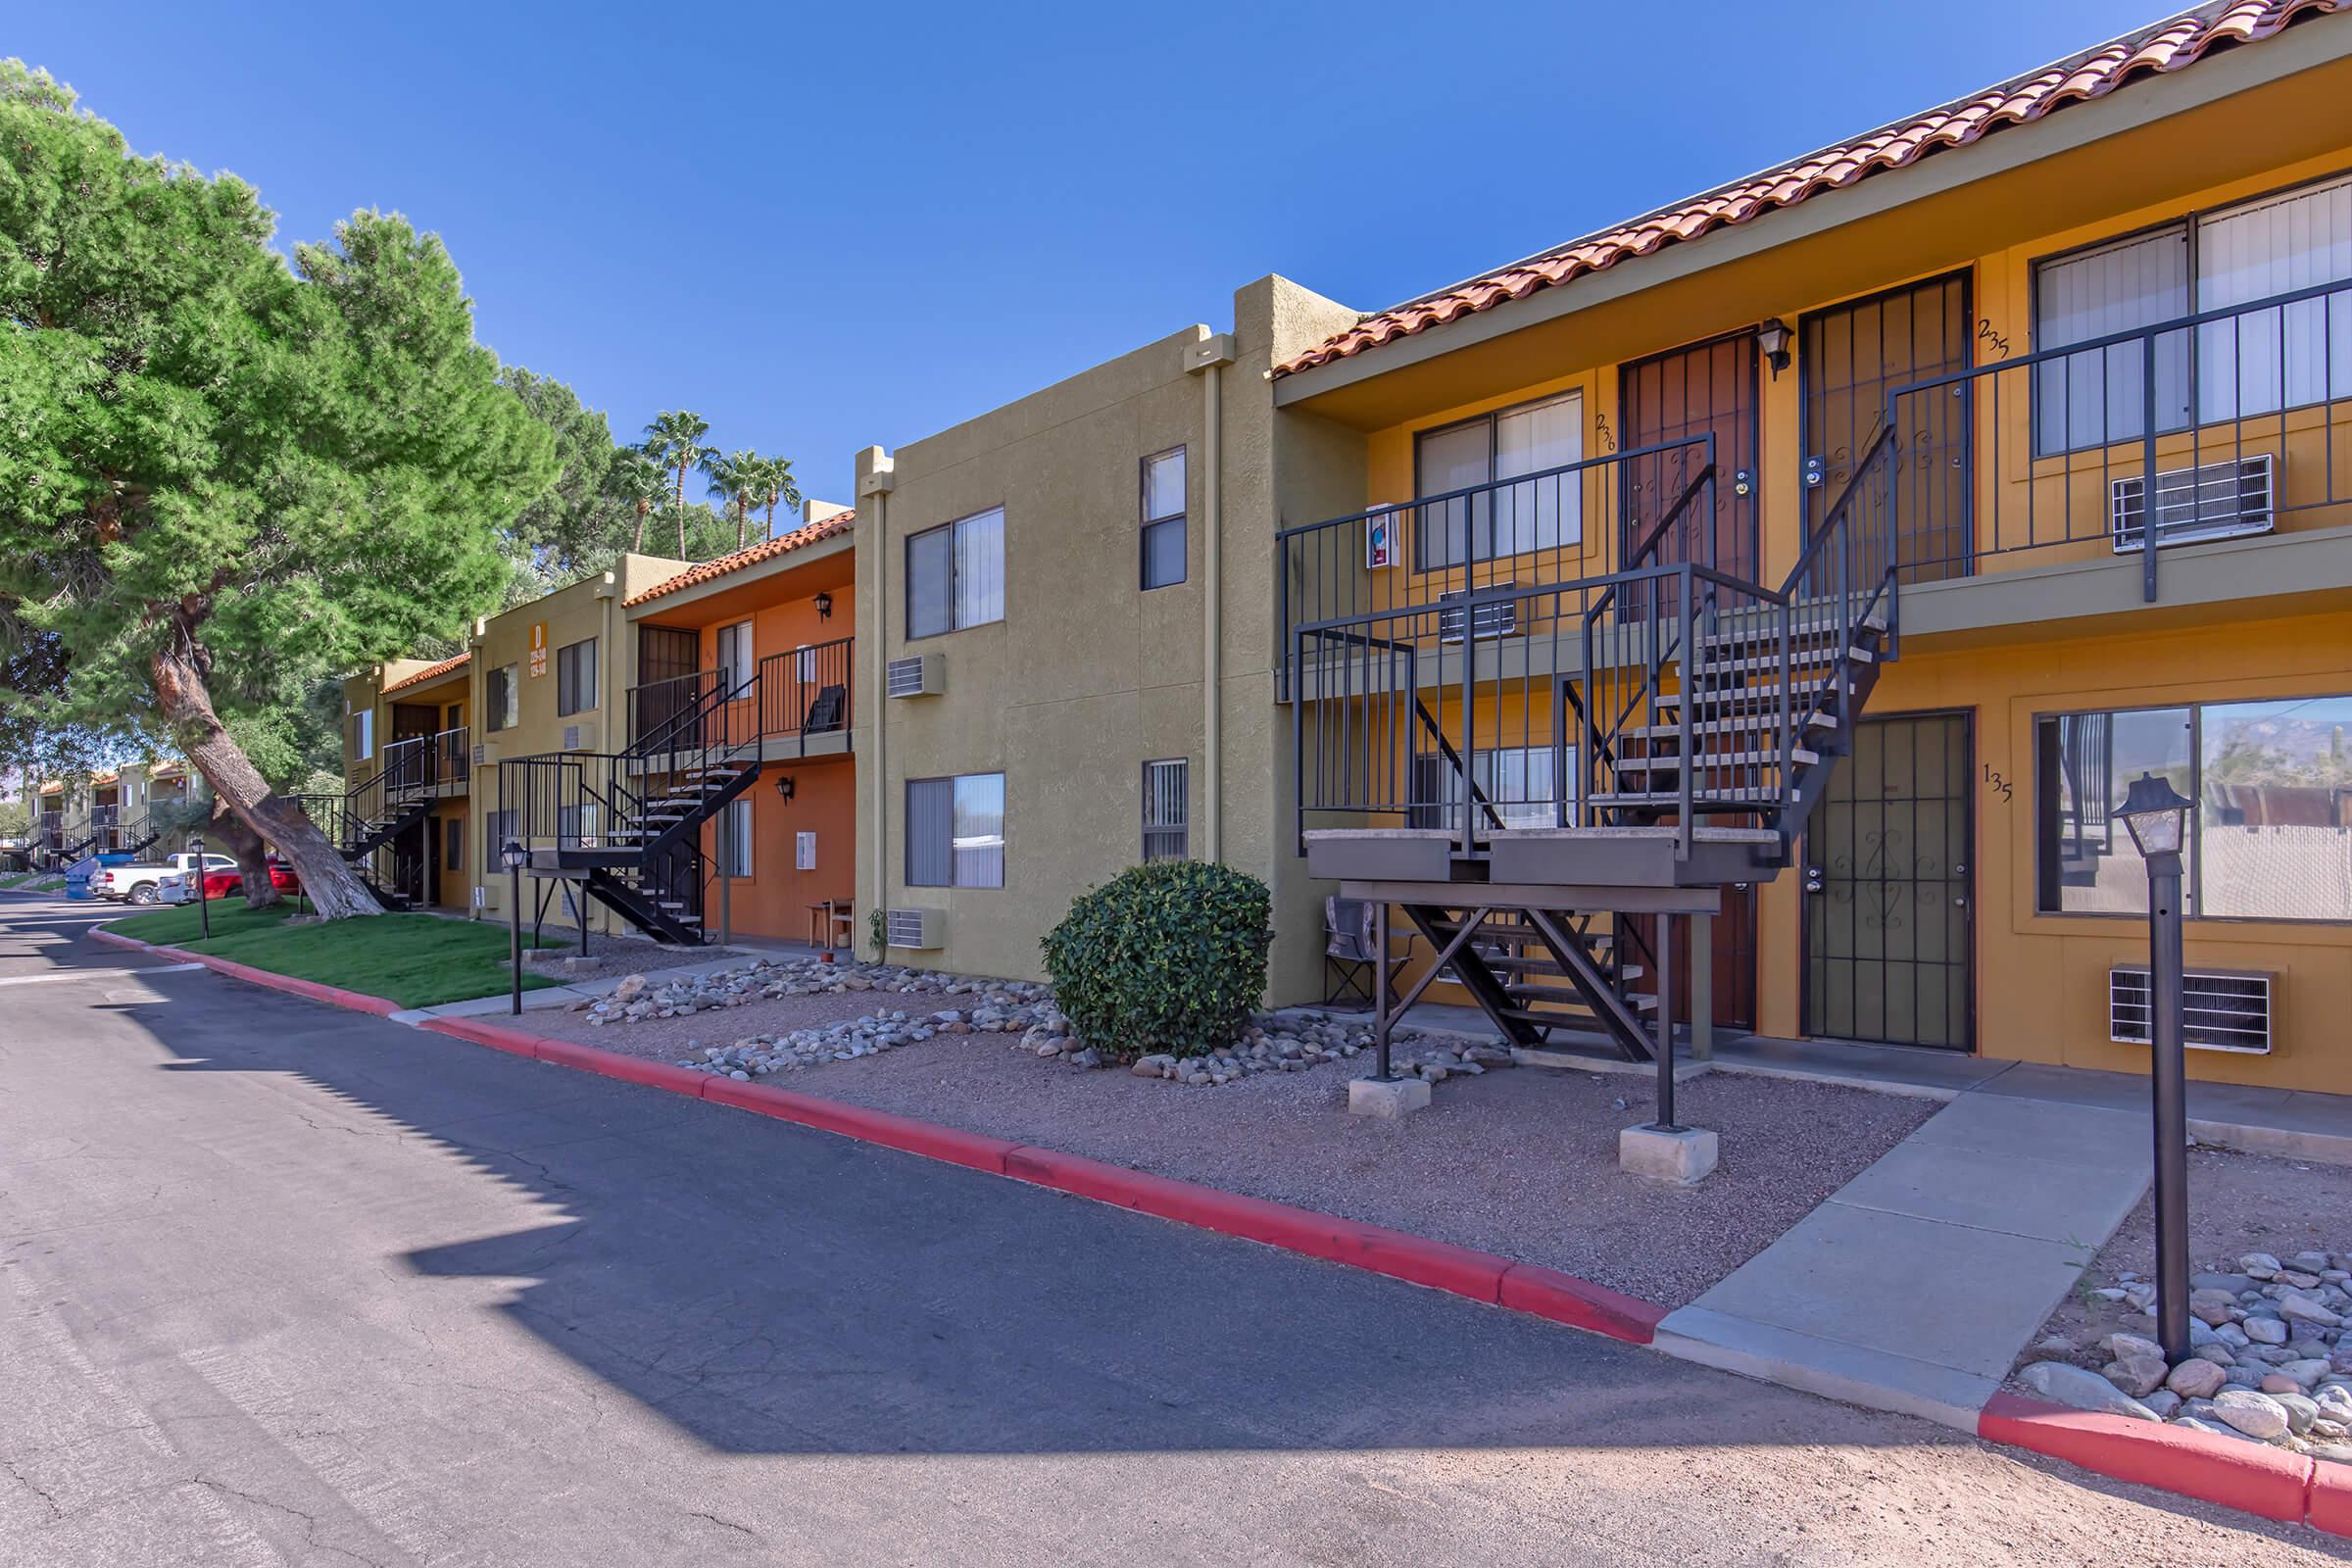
x,y
1707,759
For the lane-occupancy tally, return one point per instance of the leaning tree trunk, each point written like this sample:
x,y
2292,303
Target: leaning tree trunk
x,y
180,689
229,830
637,544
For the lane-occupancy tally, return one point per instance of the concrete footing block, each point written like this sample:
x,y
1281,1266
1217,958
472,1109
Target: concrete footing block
x,y
1389,1098
1680,1155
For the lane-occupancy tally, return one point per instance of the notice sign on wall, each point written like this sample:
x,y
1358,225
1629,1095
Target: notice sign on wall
x,y
538,649
804,852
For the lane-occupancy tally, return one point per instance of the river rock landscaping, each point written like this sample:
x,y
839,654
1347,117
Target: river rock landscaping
x,y
2272,1355
1292,1040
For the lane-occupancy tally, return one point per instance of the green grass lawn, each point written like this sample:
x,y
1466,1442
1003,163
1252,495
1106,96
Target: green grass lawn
x,y
32,881
414,959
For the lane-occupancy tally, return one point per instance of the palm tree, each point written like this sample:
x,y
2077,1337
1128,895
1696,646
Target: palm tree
x,y
674,441
636,481
775,480
735,479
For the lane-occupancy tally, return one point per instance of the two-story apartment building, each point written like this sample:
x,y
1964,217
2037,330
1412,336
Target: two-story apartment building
x,y
1927,379
1858,529
422,739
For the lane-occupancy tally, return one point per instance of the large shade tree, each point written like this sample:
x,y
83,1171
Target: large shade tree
x,y
225,474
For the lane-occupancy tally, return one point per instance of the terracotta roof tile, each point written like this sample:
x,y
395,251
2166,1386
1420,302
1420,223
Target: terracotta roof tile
x,y
429,673
766,550
2165,46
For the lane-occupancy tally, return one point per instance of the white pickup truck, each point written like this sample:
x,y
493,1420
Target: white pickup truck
x,y
136,883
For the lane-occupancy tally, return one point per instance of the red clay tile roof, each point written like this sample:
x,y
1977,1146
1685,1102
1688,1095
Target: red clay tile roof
x,y
2165,46
427,673
766,550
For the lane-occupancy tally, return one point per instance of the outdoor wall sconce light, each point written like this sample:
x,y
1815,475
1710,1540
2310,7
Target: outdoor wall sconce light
x,y
1772,339
784,787
2157,816
824,607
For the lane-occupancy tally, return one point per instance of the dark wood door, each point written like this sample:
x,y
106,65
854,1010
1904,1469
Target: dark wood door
x,y
1706,389
1890,911
1853,359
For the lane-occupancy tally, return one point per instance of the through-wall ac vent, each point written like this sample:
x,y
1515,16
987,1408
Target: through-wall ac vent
x,y
921,675
2213,500
579,737
917,929
1493,617
2221,1009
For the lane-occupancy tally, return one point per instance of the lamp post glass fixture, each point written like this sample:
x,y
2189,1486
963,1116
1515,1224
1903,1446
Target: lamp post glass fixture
x,y
512,857
204,910
2157,816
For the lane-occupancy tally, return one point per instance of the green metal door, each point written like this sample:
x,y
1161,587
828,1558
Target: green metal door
x,y
1888,903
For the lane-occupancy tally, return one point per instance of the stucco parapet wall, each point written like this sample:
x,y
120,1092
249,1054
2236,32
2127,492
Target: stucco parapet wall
x,y
2195,582
1131,374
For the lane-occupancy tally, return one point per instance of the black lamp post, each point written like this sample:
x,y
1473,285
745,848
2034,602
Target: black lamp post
x,y
512,857
2157,816
204,910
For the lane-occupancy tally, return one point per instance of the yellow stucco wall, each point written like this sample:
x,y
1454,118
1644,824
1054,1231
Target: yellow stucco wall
x,y
2049,1002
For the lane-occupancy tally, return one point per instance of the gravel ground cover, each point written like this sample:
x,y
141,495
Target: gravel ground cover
x,y
609,957
2271,1301
1521,1161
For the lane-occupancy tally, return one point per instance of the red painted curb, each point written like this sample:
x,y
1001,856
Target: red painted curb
x,y
1416,1259
2331,1507
513,1041
928,1139
2270,1482
628,1069
1580,1303
1437,1264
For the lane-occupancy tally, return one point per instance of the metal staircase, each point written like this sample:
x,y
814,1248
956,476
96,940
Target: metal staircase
x,y
628,825
1698,717
370,817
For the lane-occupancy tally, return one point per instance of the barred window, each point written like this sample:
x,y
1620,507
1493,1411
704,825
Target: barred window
x,y
1165,808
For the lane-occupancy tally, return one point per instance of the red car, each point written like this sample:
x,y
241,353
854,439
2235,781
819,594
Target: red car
x,y
229,884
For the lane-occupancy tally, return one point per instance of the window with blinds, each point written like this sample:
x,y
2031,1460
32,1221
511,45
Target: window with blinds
x,y
2260,362
955,831
1167,792
955,574
1514,519
1163,563
575,677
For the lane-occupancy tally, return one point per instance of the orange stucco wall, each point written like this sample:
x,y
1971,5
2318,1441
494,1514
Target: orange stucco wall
x,y
773,900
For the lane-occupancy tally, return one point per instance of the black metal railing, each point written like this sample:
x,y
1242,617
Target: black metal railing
x,y
1566,524
1579,704
787,697
2238,411
453,756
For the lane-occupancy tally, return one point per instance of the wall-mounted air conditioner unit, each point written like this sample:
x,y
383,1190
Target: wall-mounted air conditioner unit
x,y
485,896
921,675
580,737
2213,501
1497,617
484,754
2221,1009
917,929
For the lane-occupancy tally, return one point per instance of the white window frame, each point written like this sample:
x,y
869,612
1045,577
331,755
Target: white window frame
x,y
362,731
735,667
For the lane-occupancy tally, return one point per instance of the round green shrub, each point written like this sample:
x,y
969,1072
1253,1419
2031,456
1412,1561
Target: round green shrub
x,y
1167,958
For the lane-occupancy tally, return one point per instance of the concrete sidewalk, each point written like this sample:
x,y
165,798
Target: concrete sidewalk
x,y
1915,1285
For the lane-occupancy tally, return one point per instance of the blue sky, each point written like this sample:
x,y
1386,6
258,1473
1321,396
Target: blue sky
x,y
823,227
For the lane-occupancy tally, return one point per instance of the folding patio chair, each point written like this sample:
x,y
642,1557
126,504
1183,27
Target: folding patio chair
x,y
1349,947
